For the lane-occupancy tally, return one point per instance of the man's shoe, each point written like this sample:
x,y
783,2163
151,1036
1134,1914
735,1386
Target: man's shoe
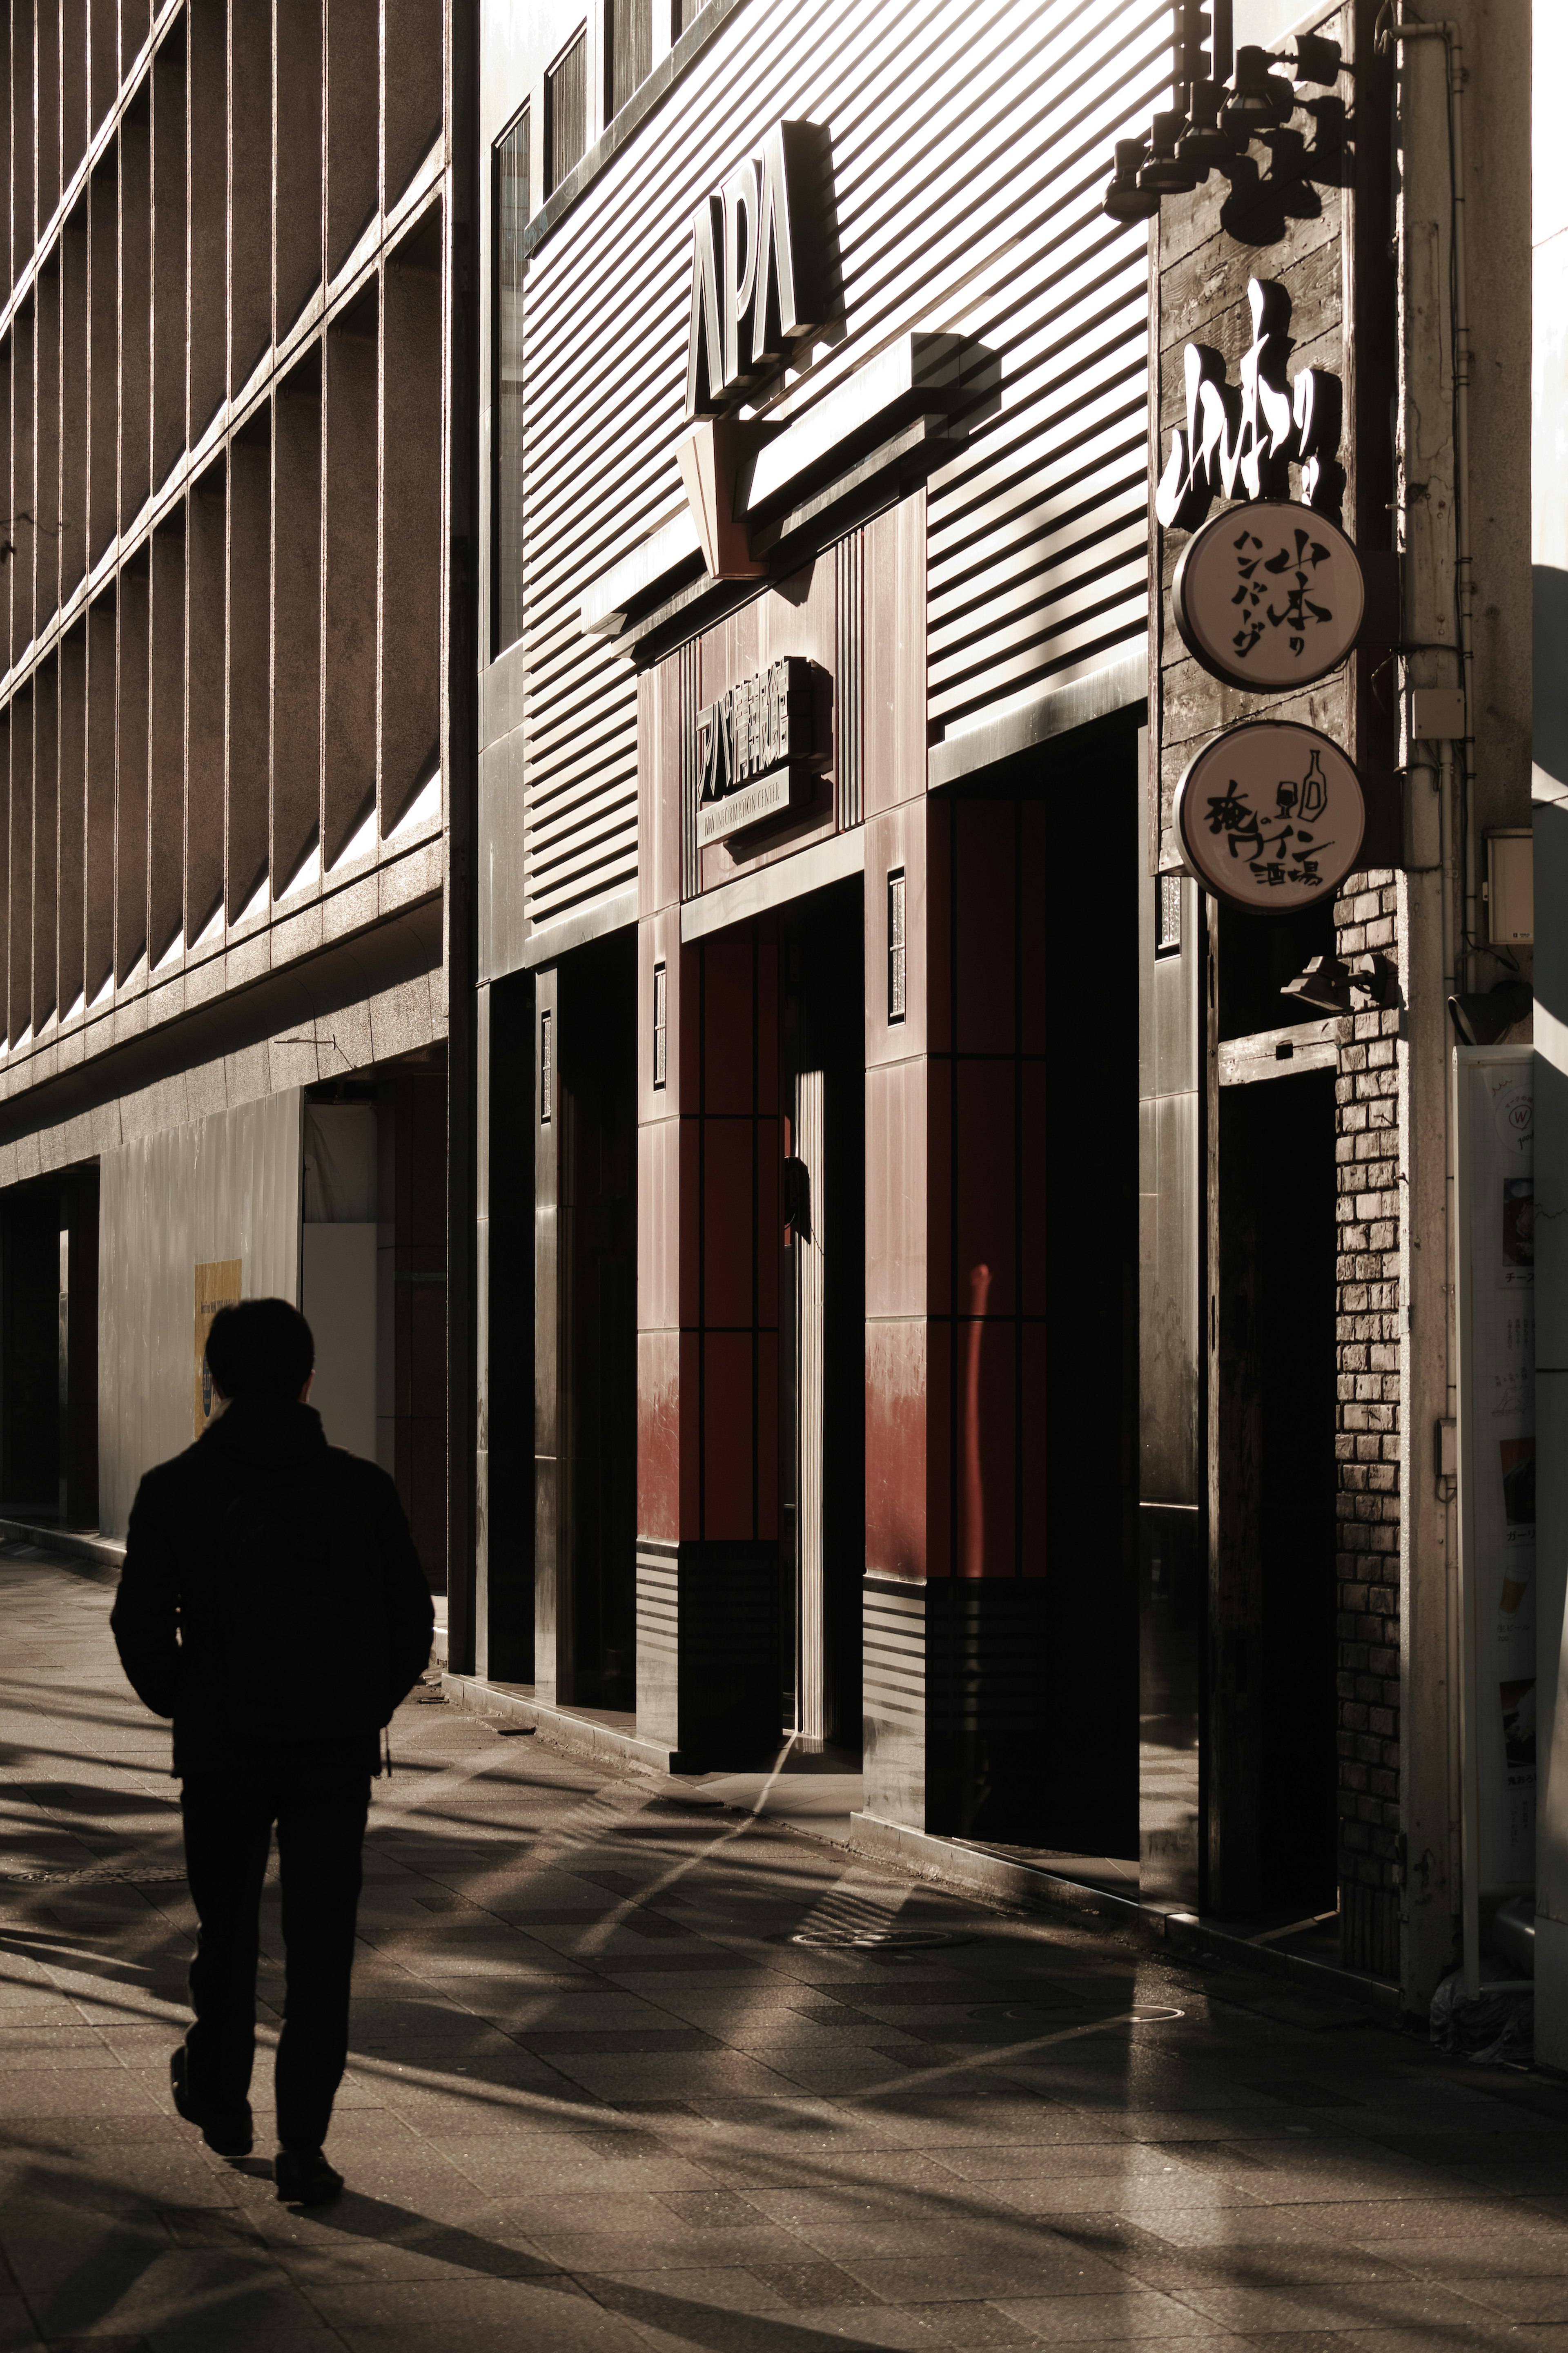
x,y
229,2135
305,2179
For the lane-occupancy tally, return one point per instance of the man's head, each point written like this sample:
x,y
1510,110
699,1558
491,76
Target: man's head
x,y
263,1348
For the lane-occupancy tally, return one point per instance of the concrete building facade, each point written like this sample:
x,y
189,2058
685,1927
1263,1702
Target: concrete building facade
x,y
993,1309
238,504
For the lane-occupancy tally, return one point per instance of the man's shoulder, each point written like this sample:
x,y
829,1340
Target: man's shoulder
x,y
196,1467
357,1476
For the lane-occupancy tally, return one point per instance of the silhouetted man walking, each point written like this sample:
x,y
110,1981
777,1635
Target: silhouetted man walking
x,y
273,1604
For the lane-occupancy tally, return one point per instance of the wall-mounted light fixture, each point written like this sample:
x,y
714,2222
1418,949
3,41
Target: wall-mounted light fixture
x,y
1211,123
1486,1020
1165,174
1259,102
1124,200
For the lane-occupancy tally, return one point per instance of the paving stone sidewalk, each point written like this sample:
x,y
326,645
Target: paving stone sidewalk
x,y
601,2099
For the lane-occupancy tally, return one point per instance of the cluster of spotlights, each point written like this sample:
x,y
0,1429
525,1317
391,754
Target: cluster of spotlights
x,y
1215,121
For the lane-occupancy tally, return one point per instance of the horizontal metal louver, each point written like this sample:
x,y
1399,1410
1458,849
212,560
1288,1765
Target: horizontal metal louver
x,y
970,150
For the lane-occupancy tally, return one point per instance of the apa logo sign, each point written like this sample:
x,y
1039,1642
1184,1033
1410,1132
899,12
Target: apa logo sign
x,y
759,276
1241,440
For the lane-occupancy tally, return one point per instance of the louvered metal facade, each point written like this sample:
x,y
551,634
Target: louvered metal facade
x,y
969,153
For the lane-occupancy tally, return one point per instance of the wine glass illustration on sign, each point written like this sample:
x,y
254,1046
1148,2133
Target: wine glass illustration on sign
x,y
1270,816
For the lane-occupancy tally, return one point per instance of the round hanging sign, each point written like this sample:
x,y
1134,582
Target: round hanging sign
x,y
1270,816
1268,595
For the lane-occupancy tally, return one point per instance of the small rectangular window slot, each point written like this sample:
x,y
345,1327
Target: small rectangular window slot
x,y
660,1024
1168,915
546,1070
896,953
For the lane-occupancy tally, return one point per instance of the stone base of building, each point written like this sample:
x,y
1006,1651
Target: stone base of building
x,y
707,1651
956,1693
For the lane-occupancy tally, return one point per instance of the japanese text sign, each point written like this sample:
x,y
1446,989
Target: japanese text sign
x,y
1268,595
1270,816
751,747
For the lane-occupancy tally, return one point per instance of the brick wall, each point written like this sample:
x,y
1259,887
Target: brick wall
x,y
1367,1444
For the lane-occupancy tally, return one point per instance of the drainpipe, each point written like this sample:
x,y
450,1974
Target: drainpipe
x,y
1392,28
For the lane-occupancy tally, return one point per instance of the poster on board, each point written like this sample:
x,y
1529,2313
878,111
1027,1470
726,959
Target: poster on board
x,y
1495,1106
217,1285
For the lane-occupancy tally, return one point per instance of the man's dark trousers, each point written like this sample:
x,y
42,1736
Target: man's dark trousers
x,y
319,1812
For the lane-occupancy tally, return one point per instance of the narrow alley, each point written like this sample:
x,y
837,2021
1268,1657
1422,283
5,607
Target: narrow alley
x,y
621,2077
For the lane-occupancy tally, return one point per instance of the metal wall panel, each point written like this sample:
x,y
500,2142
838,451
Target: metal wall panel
x,y
969,152
225,1188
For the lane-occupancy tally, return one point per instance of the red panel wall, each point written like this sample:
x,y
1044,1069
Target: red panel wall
x,y
708,1148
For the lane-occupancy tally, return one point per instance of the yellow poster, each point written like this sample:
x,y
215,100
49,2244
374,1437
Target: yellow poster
x,y
216,1286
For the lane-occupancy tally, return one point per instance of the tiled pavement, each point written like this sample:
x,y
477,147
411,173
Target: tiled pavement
x,y
599,2100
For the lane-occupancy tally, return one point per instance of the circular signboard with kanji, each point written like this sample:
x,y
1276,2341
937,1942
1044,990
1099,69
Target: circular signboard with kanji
x,y
1270,816
1268,595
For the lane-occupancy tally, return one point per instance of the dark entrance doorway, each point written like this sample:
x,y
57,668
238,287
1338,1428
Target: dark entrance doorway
x,y
597,1081
822,1328
1273,1594
1276,1473
48,1336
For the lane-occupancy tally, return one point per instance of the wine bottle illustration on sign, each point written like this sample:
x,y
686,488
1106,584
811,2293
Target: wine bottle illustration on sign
x,y
1314,791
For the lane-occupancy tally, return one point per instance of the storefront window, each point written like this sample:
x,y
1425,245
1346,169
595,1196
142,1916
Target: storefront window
x,y
630,28
511,219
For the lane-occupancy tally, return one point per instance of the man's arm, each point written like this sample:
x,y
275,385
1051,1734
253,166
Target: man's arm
x,y
145,1616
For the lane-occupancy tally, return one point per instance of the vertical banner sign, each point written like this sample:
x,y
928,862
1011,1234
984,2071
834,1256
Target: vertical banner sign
x,y
217,1285
1495,1105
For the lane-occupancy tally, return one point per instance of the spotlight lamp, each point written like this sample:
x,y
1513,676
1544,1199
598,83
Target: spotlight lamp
x,y
1369,984
1316,59
1259,102
1486,1020
1326,983
1164,173
1124,200
1203,145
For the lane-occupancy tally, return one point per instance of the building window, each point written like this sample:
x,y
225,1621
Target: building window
x,y
660,1025
546,1070
511,221
1168,916
566,112
896,963
629,23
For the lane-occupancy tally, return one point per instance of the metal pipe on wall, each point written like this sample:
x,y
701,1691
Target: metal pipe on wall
x,y
1390,29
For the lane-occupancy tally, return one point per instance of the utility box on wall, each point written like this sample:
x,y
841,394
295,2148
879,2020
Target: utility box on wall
x,y
1511,888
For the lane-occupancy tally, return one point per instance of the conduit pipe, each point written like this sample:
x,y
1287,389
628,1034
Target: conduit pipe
x,y
1459,922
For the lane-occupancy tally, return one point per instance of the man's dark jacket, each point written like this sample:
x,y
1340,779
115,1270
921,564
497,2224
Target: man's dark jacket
x,y
191,1656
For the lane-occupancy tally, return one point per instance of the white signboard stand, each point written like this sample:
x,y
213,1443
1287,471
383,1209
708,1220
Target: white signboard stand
x,y
1494,1109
